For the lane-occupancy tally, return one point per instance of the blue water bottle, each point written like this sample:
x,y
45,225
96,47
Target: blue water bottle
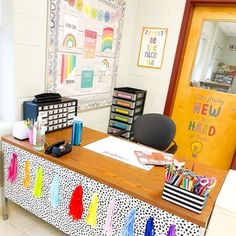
x,y
76,131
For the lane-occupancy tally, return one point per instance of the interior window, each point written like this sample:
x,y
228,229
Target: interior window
x,y
215,63
199,60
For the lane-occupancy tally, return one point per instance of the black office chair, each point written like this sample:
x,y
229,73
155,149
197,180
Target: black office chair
x,y
155,130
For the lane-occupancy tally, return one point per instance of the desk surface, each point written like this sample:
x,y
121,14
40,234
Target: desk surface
x,y
144,185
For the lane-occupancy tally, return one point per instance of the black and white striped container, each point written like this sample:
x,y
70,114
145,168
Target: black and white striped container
x,y
184,198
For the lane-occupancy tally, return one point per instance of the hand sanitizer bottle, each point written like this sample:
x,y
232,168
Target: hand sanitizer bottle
x,y
38,134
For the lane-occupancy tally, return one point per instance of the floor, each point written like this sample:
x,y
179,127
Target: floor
x,y
23,223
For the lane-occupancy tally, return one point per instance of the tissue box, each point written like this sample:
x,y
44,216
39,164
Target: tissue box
x,y
184,198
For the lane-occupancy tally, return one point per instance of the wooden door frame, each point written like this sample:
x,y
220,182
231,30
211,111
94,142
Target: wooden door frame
x,y
180,51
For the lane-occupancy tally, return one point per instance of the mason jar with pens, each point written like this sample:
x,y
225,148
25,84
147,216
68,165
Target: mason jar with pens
x,y
187,189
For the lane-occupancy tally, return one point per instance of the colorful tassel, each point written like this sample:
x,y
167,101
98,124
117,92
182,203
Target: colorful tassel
x,y
171,231
149,231
91,218
76,203
128,229
26,181
12,169
55,191
38,185
109,219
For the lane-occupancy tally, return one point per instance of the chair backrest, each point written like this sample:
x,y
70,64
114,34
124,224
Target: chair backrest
x,y
154,130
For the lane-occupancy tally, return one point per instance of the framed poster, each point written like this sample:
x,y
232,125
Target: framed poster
x,y
152,47
83,49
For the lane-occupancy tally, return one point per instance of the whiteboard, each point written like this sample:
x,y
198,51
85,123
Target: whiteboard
x,y
83,49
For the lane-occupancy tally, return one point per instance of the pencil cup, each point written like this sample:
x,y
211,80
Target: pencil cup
x,y
38,135
184,198
38,139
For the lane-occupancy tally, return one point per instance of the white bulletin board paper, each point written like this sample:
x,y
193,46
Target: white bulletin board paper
x,y
152,47
120,150
83,49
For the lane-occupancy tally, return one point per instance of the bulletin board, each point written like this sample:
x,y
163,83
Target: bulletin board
x,y
83,49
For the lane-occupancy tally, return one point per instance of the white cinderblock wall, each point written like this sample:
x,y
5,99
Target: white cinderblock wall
x,y
160,14
23,46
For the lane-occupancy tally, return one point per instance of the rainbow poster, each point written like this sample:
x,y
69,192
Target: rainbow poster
x,y
70,41
90,40
70,31
68,65
107,38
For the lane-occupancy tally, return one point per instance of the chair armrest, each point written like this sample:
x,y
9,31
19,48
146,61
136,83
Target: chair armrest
x,y
173,148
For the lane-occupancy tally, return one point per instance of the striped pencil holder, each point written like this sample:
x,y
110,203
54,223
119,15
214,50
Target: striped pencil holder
x,y
184,198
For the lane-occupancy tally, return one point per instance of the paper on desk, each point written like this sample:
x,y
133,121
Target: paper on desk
x,y
120,150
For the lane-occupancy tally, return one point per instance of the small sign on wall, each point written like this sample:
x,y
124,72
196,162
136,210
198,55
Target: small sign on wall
x,y
152,47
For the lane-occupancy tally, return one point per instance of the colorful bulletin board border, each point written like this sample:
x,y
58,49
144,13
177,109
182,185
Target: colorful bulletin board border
x,y
83,45
152,47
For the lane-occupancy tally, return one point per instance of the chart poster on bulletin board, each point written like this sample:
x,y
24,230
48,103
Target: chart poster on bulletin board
x,y
83,49
152,47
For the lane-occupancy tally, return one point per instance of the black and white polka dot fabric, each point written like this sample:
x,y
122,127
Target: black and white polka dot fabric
x,y
69,180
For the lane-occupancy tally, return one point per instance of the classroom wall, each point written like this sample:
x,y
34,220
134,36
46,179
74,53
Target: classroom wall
x,y
23,35
23,40
163,14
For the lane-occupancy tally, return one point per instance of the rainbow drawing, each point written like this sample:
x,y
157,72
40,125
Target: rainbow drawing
x,y
107,38
68,64
69,41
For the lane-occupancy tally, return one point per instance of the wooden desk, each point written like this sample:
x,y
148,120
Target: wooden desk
x,y
144,185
